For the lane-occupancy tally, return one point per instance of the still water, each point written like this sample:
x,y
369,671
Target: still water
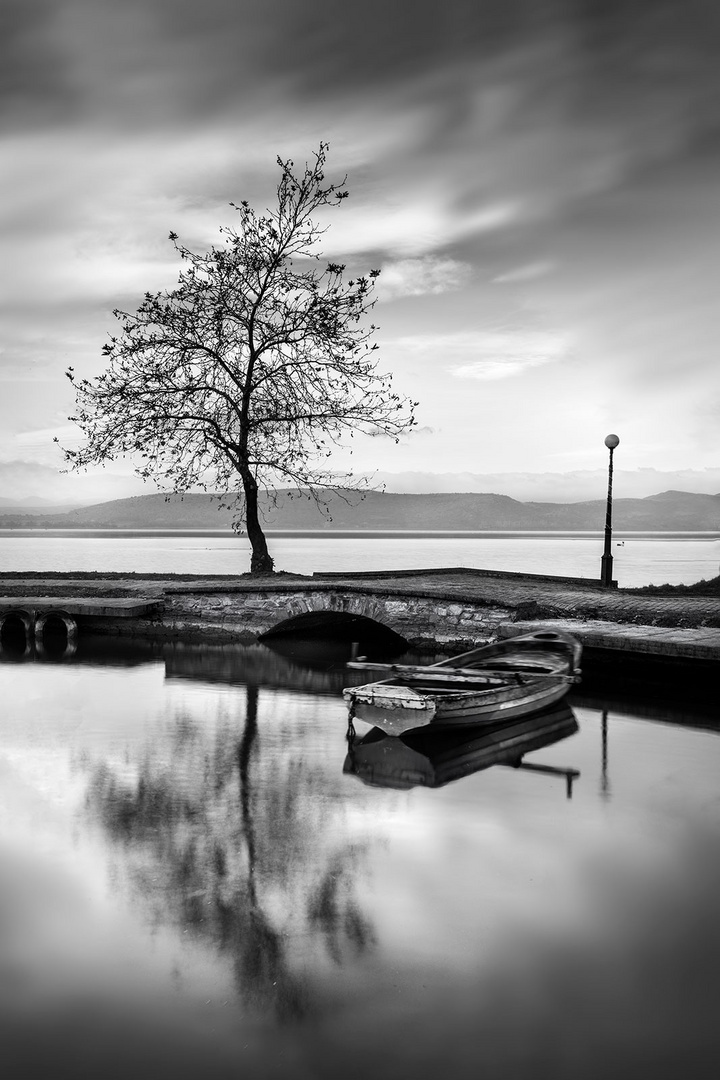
x,y
638,561
196,881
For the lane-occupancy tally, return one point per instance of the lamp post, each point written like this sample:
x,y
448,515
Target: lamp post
x,y
606,563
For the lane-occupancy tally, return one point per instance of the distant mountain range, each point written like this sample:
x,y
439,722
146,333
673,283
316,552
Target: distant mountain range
x,y
670,511
34,505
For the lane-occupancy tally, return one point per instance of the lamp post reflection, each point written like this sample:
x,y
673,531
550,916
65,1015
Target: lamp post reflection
x,y
604,778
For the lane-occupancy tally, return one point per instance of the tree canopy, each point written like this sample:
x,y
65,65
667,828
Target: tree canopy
x,y
252,370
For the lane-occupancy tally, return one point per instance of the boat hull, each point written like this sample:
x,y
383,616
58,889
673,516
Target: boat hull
x,y
402,713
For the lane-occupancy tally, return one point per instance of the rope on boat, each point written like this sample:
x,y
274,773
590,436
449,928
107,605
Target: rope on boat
x,y
350,733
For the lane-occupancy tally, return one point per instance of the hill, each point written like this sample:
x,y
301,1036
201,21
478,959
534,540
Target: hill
x,y
669,511
32,508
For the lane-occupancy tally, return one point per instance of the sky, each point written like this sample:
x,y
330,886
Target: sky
x,y
537,181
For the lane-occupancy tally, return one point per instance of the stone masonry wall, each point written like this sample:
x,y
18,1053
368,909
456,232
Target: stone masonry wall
x,y
254,613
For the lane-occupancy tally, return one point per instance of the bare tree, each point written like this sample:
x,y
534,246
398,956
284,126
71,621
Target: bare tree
x,y
247,374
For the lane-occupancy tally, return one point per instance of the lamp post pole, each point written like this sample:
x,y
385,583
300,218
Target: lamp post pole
x,y
606,563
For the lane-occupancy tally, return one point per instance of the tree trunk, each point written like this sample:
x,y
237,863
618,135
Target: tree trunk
x,y
261,561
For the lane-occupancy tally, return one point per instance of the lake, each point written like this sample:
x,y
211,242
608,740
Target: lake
x,y
640,560
196,879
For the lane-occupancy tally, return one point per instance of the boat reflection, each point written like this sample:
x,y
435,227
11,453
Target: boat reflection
x,y
420,758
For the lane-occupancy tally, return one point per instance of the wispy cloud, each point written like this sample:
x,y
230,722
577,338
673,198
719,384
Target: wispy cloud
x,y
418,223
503,353
20,478
528,272
43,436
415,277
38,446
486,354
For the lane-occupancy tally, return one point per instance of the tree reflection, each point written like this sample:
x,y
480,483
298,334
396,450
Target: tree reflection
x,y
261,962
236,847
333,910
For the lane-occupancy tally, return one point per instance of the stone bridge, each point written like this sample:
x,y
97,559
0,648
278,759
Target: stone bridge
x,y
420,607
342,611
246,612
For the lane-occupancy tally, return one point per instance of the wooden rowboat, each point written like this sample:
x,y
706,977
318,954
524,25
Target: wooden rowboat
x,y
489,685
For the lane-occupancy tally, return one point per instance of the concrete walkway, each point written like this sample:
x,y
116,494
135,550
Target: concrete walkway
x,y
98,606
560,600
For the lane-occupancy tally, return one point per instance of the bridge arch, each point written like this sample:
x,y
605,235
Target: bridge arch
x,y
340,626
56,633
16,632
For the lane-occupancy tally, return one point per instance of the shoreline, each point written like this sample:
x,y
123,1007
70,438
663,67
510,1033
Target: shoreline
x,y
369,534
